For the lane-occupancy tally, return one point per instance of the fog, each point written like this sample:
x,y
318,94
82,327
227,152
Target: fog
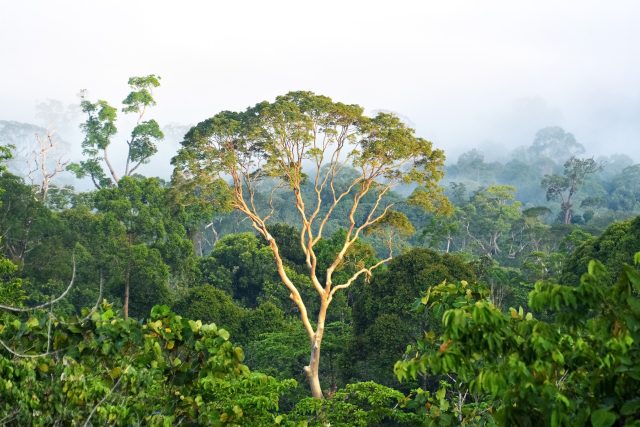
x,y
465,74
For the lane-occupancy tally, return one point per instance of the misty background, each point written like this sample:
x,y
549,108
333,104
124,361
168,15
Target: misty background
x,y
463,74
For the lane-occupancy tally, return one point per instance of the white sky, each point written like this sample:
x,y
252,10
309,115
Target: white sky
x,y
465,73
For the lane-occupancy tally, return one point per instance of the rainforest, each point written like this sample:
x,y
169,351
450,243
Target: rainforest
x,y
287,225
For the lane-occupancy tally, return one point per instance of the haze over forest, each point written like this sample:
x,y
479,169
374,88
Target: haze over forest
x,y
347,214
464,74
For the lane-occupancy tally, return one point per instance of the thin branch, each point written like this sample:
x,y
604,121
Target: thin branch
x,y
46,304
368,271
49,328
111,170
5,420
86,423
97,304
140,163
27,356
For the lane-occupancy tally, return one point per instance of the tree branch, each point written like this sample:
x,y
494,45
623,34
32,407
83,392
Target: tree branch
x,y
46,304
86,423
368,271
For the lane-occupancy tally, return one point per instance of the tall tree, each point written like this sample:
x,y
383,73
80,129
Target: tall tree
x,y
136,211
555,143
47,163
100,128
303,130
489,215
565,187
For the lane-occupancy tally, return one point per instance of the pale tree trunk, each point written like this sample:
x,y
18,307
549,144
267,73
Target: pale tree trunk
x,y
312,371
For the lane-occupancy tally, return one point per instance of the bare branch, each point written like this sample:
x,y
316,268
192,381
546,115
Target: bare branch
x,y
46,304
27,356
368,271
115,386
97,304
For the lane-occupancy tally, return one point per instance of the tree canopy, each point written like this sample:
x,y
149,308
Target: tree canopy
x,y
275,142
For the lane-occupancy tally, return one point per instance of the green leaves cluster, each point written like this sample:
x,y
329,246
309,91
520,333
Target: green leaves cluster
x,y
359,404
100,128
102,369
580,367
275,139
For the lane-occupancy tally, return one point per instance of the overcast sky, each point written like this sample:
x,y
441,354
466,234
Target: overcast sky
x,y
463,73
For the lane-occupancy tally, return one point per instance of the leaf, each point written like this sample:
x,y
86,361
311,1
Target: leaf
x,y
115,372
630,407
195,326
634,304
558,357
32,322
224,334
634,277
106,347
425,299
603,418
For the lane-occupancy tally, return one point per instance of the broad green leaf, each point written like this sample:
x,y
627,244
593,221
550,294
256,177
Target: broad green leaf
x,y
603,418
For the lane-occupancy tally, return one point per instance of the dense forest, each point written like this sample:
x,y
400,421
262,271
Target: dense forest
x,y
307,264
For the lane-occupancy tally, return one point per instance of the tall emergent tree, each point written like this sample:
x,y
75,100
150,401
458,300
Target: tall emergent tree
x,y
100,128
301,130
565,186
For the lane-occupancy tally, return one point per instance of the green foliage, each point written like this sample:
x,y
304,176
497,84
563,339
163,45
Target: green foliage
x,y
490,215
282,351
383,320
582,366
361,404
140,96
564,187
210,304
100,128
148,276
240,264
105,370
614,247
144,242
624,192
11,287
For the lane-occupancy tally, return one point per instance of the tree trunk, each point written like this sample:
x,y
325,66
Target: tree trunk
x,y
312,370
567,214
125,304
127,276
